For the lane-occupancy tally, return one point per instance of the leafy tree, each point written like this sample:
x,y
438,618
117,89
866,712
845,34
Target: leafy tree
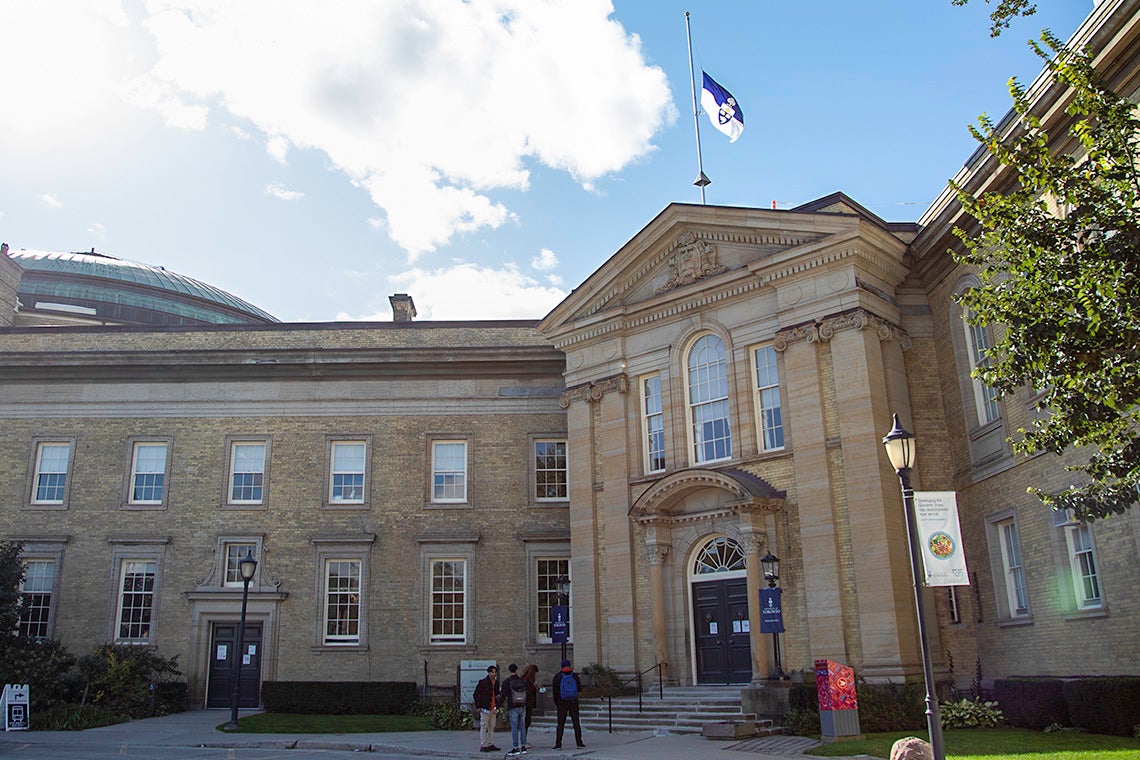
x,y
1059,263
11,576
1005,10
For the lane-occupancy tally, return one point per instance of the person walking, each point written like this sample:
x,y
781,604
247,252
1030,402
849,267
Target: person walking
x,y
487,703
514,696
530,675
566,687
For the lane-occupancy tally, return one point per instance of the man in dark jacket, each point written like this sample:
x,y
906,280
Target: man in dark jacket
x,y
515,696
487,703
566,687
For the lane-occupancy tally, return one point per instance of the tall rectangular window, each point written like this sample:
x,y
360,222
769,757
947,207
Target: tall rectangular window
x,y
551,474
653,424
768,406
548,573
49,484
448,601
986,398
449,471
247,473
342,601
346,484
1016,592
235,553
708,400
1086,580
148,473
36,591
136,601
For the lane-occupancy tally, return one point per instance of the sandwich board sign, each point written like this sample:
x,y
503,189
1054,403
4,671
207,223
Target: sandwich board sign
x,y
15,704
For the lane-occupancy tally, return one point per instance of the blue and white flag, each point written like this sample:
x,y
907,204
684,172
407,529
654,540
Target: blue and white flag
x,y
723,110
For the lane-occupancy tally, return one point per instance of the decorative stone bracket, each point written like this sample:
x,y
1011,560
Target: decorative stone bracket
x,y
594,390
825,329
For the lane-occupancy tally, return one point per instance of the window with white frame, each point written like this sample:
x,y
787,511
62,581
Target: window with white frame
x,y
769,410
136,601
148,473
952,604
653,424
449,471
551,473
247,472
49,483
342,602
448,601
36,592
346,477
1017,596
978,345
1082,560
236,551
708,400
548,571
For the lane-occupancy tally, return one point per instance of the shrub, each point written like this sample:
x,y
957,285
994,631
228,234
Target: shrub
x,y
339,697
119,679
74,717
1104,705
600,676
891,706
968,713
1032,703
45,666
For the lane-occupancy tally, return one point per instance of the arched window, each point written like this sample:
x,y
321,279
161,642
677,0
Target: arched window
x,y
721,555
978,345
708,400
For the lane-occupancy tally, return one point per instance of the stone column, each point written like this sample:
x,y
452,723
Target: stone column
x,y
655,555
752,544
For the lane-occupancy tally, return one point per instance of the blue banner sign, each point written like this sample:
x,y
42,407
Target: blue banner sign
x,y
559,623
771,613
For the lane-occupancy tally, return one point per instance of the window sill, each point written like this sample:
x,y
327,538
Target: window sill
x,y
142,507
47,507
1089,614
347,506
262,507
339,649
449,505
1015,622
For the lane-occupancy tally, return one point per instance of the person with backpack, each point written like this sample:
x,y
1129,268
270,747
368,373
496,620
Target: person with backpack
x,y
566,687
514,696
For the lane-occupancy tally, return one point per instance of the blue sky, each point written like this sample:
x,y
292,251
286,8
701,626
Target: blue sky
x,y
484,157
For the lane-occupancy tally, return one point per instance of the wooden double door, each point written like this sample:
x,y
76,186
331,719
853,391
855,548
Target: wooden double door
x,y
720,620
226,659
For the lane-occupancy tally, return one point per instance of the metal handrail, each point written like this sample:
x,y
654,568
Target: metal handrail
x,y
609,695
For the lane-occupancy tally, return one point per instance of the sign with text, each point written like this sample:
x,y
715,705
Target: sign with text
x,y
470,673
559,623
15,706
771,611
940,538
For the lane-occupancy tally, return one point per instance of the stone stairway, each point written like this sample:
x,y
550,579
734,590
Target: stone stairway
x,y
684,710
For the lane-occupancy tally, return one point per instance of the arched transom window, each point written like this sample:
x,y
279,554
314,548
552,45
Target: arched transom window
x,y
721,555
708,400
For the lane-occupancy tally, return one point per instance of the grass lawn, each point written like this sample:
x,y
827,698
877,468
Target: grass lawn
x,y
998,744
286,723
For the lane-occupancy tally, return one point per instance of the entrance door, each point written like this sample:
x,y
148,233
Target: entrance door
x,y
724,650
224,657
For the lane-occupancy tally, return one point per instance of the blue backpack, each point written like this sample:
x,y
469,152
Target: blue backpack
x,y
568,687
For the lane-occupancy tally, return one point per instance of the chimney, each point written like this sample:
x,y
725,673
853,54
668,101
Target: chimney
x,y
403,310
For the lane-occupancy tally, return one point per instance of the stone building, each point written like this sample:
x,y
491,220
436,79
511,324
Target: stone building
x,y
716,391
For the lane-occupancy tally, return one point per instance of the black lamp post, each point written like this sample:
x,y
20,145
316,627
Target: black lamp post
x,y
247,566
771,565
901,451
563,585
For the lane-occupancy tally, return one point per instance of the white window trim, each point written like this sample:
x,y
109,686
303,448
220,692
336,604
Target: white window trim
x,y
328,639
331,444
1005,570
232,442
442,548
647,452
758,393
695,447
38,444
135,548
987,403
134,444
534,442
1082,602
253,548
449,501
351,547
46,548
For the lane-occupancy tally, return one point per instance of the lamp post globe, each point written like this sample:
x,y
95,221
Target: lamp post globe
x,y
247,566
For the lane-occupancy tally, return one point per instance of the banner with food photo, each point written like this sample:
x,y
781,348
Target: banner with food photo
x,y
940,537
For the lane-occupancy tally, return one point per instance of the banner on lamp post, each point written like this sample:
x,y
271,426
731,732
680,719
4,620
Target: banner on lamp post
x,y
940,538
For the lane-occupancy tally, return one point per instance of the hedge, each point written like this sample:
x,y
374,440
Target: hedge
x,y
338,697
1033,703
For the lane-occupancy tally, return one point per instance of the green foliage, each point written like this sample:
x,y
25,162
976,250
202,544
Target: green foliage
x,y
600,676
11,576
1006,10
1057,728
447,716
1032,703
119,679
968,713
1104,705
339,697
891,706
1059,260
73,717
45,665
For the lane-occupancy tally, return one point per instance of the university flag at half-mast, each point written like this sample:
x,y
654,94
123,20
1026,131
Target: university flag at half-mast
x,y
940,538
723,110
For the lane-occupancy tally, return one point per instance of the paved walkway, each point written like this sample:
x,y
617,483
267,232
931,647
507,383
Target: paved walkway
x,y
198,728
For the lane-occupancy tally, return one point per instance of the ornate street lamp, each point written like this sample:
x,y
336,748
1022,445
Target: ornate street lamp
x,y
771,566
900,447
247,566
563,586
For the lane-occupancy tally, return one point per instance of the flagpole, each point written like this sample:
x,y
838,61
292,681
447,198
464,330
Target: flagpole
x,y
702,179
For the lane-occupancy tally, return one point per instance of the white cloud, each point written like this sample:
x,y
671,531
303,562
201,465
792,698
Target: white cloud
x,y
470,291
431,105
545,260
97,229
51,200
279,191
277,147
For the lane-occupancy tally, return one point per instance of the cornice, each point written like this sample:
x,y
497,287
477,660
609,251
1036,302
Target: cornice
x,y
824,330
595,390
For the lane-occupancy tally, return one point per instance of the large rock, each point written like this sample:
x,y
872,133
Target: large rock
x,y
912,748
